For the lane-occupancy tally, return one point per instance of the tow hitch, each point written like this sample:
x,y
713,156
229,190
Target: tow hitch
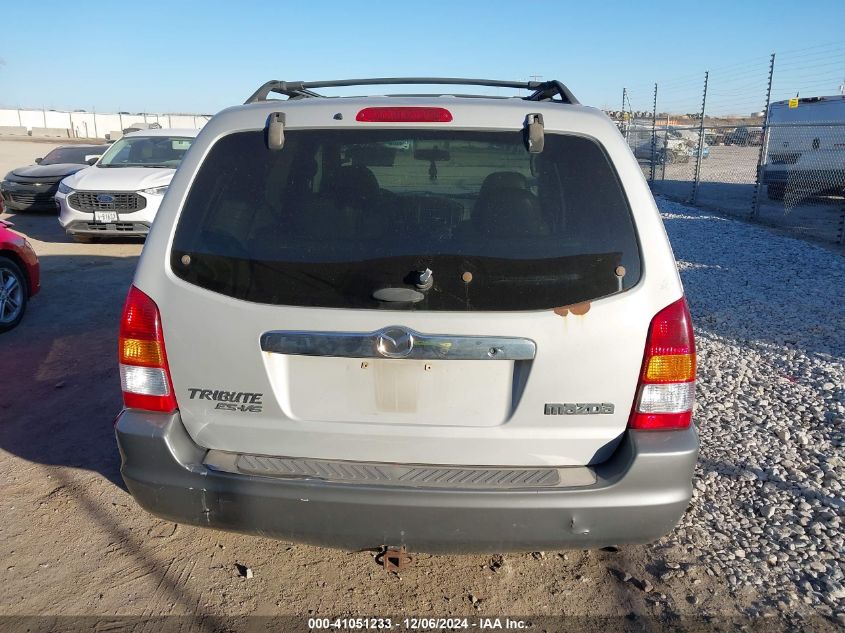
x,y
394,559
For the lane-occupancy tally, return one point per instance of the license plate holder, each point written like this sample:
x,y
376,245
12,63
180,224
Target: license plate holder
x,y
104,217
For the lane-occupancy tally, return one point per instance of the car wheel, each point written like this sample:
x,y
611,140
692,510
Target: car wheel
x,y
668,157
13,294
775,192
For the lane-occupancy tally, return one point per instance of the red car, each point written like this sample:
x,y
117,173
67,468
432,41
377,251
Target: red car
x,y
19,276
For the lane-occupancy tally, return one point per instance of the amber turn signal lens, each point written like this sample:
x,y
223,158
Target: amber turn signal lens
x,y
134,351
674,368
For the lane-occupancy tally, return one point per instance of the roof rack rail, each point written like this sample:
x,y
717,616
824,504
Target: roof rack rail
x,y
541,90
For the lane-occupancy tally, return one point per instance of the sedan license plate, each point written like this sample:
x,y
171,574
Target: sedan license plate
x,y
105,216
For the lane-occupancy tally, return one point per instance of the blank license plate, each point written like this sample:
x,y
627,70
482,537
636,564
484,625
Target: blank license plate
x,y
105,216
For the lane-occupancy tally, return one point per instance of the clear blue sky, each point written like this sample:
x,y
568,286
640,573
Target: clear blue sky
x,y
181,56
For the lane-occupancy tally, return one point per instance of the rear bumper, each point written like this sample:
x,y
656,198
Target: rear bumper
x,y
640,494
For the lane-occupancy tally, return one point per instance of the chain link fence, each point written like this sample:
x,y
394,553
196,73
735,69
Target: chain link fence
x,y
751,140
802,179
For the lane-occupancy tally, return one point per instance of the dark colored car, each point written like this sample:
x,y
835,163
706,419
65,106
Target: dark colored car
x,y
19,276
32,188
745,136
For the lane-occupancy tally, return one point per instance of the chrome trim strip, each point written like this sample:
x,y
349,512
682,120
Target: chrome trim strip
x,y
397,342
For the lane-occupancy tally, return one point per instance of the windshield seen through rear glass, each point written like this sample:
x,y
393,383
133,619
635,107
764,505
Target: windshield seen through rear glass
x,y
343,218
146,151
75,155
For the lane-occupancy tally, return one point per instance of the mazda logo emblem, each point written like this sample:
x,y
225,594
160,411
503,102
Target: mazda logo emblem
x,y
394,342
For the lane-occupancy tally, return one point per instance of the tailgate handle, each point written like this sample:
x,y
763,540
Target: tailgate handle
x,y
397,342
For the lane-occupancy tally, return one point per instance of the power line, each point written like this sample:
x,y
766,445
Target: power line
x,y
836,61
829,46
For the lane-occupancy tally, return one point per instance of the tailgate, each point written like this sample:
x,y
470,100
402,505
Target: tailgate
x,y
422,295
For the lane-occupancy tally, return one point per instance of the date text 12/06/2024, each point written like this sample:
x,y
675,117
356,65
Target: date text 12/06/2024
x,y
411,624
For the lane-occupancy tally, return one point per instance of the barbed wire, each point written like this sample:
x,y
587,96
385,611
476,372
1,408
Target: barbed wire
x,y
814,46
740,86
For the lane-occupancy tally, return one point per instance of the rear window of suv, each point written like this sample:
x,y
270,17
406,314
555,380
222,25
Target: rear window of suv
x,y
338,215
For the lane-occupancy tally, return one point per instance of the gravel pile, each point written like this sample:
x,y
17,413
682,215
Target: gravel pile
x,y
769,315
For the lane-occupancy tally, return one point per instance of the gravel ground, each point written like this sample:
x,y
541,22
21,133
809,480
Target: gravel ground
x,y
762,536
770,327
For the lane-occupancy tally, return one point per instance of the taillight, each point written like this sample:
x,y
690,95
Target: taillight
x,y
144,375
404,114
667,382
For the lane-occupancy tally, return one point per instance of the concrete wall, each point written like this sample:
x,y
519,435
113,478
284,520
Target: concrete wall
x,y
50,132
89,124
13,130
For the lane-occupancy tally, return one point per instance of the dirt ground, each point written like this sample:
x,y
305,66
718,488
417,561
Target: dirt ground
x,y
74,543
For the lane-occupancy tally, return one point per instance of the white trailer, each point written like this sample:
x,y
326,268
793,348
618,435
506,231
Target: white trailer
x,y
805,147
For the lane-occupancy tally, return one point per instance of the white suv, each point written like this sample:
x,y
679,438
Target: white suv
x,y
429,322
119,196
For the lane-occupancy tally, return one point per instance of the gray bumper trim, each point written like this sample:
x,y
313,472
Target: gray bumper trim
x,y
413,475
114,229
639,495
